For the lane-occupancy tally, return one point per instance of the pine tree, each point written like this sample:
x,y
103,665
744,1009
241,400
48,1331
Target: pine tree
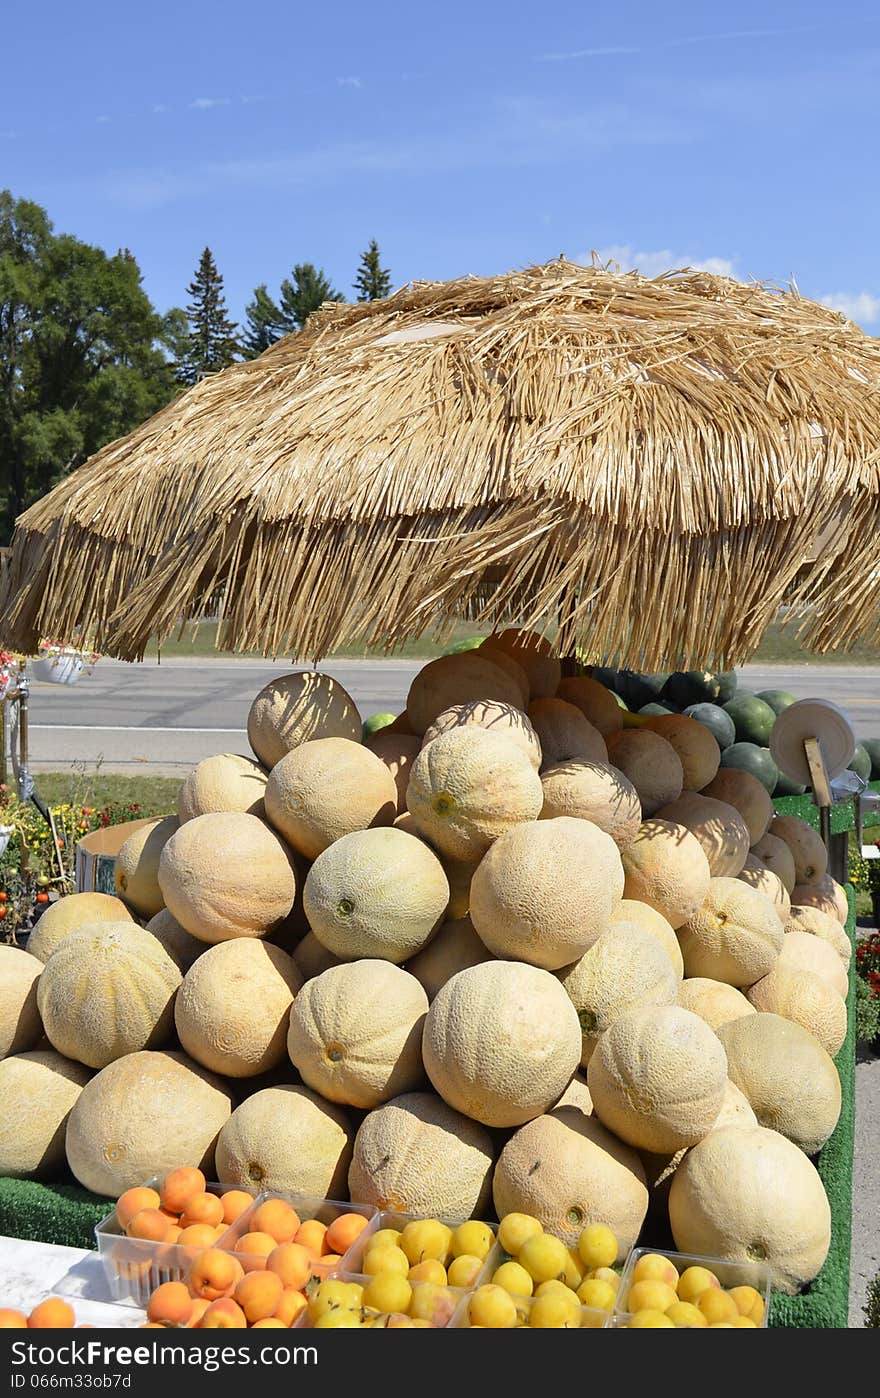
x,y
373,281
263,323
307,289
212,342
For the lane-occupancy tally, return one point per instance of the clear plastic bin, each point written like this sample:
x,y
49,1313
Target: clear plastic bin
x,y
729,1274
442,1311
136,1266
392,1218
324,1210
586,1317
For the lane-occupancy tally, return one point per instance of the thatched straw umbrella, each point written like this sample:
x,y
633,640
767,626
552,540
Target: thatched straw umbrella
x,y
646,463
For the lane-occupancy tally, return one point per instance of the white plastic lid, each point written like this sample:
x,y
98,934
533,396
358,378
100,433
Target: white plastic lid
x,y
812,718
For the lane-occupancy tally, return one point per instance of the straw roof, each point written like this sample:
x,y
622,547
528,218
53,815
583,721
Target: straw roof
x,y
647,463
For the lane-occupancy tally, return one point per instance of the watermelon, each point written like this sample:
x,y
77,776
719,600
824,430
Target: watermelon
x,y
785,787
372,724
861,762
719,723
690,687
470,643
778,699
752,718
749,757
656,709
604,675
726,685
872,748
639,689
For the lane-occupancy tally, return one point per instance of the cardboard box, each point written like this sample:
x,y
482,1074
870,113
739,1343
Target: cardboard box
x,y
96,856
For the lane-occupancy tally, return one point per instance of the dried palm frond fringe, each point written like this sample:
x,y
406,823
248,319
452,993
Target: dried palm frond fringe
x,y
646,462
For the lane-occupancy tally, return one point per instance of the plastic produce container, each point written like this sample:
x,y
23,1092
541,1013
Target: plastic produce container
x,y
324,1210
390,1218
729,1274
587,1317
447,1302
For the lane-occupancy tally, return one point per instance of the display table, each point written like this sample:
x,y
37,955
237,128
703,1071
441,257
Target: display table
x,y
29,1272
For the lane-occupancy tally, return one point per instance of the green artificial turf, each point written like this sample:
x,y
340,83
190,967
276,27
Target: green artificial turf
x,y
50,1213
825,1303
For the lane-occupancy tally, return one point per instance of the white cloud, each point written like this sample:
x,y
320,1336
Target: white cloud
x,y
652,264
683,41
160,107
203,104
585,53
861,306
349,82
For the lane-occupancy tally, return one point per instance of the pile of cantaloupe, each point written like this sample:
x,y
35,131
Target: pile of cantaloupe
x,y
504,953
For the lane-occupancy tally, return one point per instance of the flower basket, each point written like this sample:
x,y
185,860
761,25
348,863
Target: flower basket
x,y
60,664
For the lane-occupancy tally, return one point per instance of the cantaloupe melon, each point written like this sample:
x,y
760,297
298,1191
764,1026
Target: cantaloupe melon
x,y
660,1169
180,945
788,1077
714,1001
665,867
534,654
501,1040
758,876
841,901
457,679
296,708
747,795
596,792
697,748
38,1091
651,764
355,1033
226,782
747,1194
406,823
597,704
565,734
459,874
735,936
311,957
823,894
325,789
545,891
736,1109
398,751
657,1078
776,856
493,716
69,913
806,845
577,1094
566,1170
417,1155
514,671
136,870
805,999
20,1026
467,787
803,952
646,917
232,1009
624,970
379,893
286,1138
823,926
108,990
719,828
227,875
455,947
142,1116
401,725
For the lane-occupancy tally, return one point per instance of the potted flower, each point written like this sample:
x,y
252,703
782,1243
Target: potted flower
x,y
59,664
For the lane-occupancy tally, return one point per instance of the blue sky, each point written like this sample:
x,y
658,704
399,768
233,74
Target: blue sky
x,y
465,137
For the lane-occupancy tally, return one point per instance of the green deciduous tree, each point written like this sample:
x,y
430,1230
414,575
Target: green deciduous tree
x,y
303,292
81,353
373,281
263,323
212,335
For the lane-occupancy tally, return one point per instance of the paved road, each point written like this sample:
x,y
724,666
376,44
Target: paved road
x,y
171,715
